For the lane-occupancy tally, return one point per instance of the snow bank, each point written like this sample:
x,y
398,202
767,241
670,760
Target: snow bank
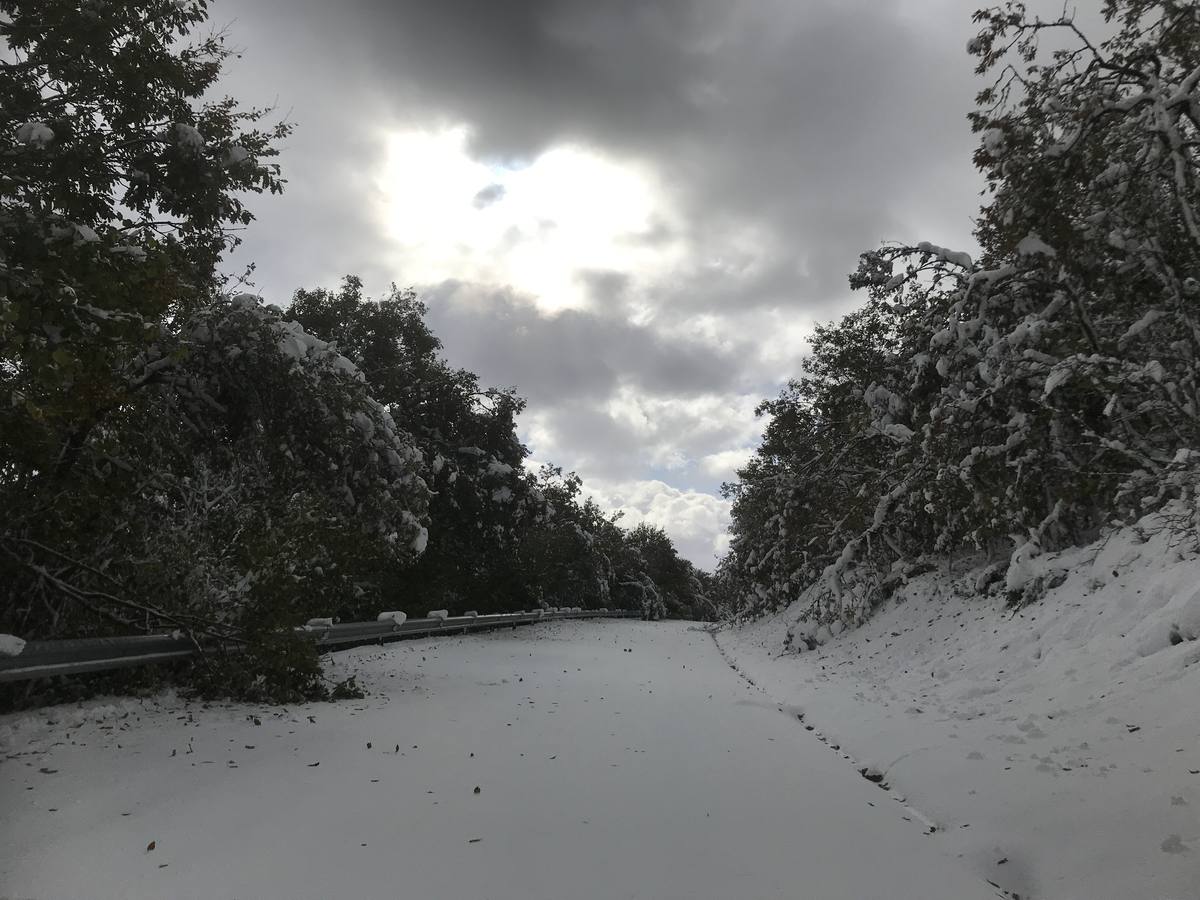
x,y
1056,745
397,617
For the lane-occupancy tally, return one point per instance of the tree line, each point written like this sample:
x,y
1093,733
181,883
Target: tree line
x,y
1006,406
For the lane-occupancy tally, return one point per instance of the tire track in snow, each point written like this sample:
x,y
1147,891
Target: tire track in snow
x,y
870,773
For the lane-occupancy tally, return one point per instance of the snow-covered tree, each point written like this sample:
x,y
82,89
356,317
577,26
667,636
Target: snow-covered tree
x,y
680,588
140,473
564,554
481,499
1025,400
119,189
500,537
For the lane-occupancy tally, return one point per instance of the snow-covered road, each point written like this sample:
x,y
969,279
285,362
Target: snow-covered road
x,y
612,760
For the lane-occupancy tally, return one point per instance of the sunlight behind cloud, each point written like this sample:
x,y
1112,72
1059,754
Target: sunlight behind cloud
x,y
534,227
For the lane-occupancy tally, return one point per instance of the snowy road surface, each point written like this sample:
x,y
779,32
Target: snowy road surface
x,y
612,760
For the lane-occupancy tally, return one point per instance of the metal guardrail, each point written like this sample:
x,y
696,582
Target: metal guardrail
x,y
77,656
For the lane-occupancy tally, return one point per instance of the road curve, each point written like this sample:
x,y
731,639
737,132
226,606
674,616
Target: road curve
x,y
613,760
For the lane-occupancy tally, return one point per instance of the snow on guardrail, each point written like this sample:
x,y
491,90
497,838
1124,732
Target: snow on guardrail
x,y
26,660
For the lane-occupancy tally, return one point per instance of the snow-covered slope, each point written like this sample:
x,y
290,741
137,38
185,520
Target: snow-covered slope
x,y
1058,746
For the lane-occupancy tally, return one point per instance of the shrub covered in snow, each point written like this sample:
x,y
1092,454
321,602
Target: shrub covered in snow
x,y
500,537
255,485
1021,402
145,470
466,434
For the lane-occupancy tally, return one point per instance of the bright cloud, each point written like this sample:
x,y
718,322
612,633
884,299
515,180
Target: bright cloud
x,y
696,520
724,465
530,227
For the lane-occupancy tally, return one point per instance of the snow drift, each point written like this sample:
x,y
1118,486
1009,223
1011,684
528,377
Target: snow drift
x,y
1057,744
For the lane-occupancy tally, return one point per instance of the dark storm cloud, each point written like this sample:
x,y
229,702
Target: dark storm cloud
x,y
605,286
817,128
571,365
528,73
802,120
559,360
488,195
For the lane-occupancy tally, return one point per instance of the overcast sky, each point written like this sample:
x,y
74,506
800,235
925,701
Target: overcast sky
x,y
633,212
